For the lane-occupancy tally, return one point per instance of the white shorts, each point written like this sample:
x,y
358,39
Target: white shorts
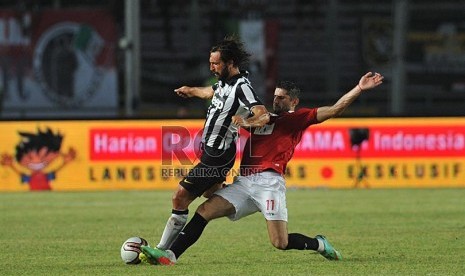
x,y
262,192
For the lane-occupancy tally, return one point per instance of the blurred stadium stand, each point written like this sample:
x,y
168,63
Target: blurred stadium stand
x,y
323,46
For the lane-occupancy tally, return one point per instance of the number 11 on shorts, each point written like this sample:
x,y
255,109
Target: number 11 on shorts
x,y
270,204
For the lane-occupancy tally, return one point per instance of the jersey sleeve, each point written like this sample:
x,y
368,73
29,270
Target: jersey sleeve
x,y
247,95
306,117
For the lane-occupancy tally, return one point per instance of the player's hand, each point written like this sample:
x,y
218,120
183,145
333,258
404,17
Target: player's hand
x,y
370,80
239,121
184,91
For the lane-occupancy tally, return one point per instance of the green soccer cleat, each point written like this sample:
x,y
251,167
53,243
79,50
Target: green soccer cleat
x,y
144,260
329,252
158,256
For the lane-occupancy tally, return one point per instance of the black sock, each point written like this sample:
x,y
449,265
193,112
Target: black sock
x,y
189,235
177,212
301,242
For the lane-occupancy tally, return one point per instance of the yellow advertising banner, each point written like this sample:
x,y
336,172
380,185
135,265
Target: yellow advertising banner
x,y
91,155
156,154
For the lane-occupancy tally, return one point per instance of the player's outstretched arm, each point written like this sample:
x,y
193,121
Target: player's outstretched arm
x,y
260,117
200,92
367,82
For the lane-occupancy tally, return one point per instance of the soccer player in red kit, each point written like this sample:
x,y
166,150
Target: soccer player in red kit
x,y
261,186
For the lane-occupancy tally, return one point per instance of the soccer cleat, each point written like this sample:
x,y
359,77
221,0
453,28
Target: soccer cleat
x,y
329,252
143,259
159,256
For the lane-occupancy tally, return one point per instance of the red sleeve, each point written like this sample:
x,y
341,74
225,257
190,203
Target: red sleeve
x,y
305,117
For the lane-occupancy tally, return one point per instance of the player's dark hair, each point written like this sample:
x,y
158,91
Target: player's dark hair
x,y
36,141
292,89
231,48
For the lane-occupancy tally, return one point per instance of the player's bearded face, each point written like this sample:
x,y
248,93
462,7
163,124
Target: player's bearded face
x,y
280,107
218,67
281,101
223,74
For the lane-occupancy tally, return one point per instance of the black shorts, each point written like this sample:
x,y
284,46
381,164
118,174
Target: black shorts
x,y
213,168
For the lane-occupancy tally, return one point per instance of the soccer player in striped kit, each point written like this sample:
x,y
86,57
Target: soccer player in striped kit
x,y
231,96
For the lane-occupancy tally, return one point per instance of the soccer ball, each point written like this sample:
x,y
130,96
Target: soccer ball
x,y
130,250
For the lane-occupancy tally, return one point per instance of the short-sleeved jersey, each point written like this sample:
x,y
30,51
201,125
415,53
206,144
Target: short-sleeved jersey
x,y
233,97
272,146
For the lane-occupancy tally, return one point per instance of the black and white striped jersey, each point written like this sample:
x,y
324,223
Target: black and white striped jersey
x,y
233,97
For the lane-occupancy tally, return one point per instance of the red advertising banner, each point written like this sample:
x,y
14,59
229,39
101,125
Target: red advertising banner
x,y
163,142
319,141
384,141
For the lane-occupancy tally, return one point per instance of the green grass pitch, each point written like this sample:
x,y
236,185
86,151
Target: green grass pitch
x,y
379,232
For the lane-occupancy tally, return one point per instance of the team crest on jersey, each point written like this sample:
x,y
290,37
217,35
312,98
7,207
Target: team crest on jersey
x,y
264,130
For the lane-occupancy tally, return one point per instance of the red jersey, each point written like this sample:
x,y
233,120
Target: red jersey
x,y
272,146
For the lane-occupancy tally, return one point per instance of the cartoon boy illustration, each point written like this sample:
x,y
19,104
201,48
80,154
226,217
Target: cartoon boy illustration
x,y
35,153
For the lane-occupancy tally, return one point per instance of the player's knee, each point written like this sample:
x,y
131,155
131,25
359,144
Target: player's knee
x,y
181,199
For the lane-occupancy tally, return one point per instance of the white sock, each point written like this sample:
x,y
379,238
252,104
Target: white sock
x,y
174,225
321,246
